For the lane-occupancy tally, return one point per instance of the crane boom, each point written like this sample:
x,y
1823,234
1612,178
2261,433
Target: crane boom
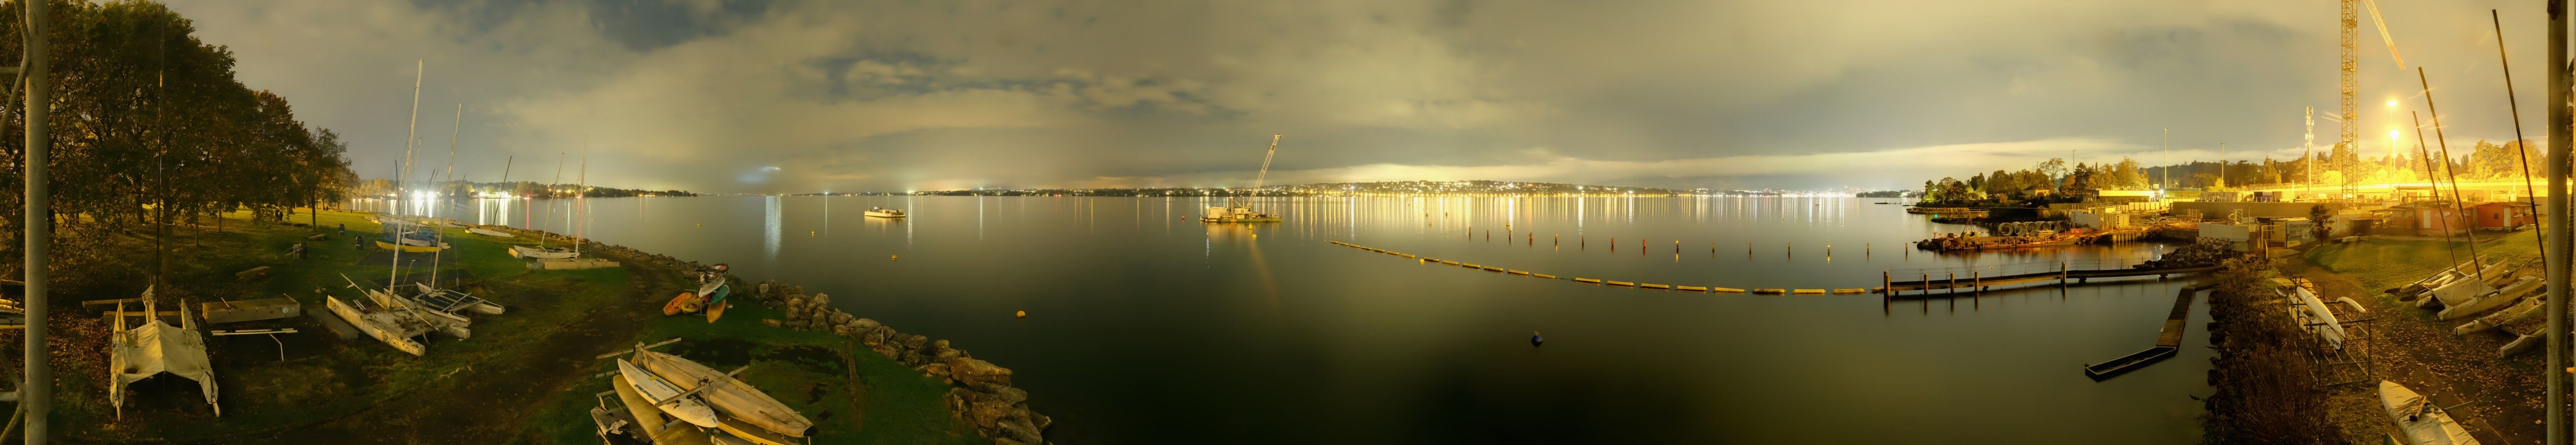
x,y
2384,37
1264,175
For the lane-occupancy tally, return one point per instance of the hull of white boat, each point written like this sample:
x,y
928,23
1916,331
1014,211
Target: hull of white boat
x,y
490,233
542,254
668,398
395,339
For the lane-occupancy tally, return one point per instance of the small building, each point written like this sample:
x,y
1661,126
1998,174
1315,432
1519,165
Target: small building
x,y
2123,196
2430,218
2503,215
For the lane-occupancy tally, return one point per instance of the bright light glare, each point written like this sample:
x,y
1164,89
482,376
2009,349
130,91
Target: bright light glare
x,y
2392,135
2392,103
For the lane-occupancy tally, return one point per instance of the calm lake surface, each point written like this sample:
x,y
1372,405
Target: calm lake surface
x,y
1146,326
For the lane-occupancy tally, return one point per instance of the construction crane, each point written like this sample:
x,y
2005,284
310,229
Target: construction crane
x,y
2348,150
1234,211
1264,175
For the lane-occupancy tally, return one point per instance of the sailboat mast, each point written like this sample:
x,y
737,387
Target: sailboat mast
x,y
393,271
448,180
582,199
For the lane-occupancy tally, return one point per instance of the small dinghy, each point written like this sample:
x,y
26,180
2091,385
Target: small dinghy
x,y
669,398
490,232
2424,423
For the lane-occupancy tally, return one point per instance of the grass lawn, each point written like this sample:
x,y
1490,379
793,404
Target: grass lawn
x,y
2382,264
523,378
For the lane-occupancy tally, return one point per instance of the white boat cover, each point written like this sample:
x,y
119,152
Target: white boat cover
x,y
2331,329
156,348
2424,423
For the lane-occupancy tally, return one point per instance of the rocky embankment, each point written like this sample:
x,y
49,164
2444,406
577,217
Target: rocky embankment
x,y
981,393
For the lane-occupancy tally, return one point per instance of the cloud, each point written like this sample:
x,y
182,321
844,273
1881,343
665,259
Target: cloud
x,y
892,95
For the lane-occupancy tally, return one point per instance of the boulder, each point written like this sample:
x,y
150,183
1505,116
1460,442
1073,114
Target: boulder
x,y
1005,394
839,317
987,414
819,300
915,342
868,324
939,370
888,351
1041,420
1017,428
974,371
772,322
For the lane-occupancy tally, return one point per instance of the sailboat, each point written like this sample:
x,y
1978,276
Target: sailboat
x,y
541,251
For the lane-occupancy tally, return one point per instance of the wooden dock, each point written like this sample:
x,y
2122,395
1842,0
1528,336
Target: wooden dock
x,y
2168,341
1980,278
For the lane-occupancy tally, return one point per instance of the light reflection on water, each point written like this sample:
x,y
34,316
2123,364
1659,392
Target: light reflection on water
x,y
1267,334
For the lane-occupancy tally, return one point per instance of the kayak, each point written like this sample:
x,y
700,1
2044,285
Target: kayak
x,y
715,311
685,303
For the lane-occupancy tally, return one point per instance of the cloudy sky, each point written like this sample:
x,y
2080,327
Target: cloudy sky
x,y
802,96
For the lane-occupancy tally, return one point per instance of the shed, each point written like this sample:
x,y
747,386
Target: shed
x,y
2431,218
2503,215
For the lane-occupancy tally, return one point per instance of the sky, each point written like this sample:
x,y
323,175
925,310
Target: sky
x,y
855,96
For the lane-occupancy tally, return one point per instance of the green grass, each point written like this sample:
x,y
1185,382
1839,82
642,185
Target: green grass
x,y
2381,264
328,378
854,396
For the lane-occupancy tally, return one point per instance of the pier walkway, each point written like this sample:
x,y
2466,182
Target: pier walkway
x,y
1978,278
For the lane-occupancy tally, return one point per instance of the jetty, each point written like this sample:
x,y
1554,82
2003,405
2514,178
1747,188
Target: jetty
x,y
2168,341
1980,278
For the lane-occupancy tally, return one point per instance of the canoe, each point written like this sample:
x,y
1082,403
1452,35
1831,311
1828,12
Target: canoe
x,y
666,396
490,233
2424,423
685,303
736,399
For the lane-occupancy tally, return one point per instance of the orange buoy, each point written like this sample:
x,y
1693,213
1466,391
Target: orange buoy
x,y
1020,314
894,257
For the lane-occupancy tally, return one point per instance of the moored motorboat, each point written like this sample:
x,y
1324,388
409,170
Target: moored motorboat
x,y
885,213
666,396
2423,422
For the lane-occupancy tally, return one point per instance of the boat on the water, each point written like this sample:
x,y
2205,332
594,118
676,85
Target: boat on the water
x,y
885,213
2423,422
739,402
541,253
1236,215
489,232
2126,363
666,396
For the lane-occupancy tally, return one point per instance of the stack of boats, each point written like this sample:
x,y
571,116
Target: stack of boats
x,y
708,299
2489,294
676,400
413,238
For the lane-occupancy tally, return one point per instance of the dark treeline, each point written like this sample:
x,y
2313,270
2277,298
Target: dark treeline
x,y
2481,160
147,118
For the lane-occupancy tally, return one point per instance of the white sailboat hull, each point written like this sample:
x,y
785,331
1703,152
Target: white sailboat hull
x,y
381,333
687,408
540,253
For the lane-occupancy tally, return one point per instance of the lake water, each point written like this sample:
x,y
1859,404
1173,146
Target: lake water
x,y
1146,326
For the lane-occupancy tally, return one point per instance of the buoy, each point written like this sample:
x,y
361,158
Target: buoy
x,y
1536,339
1020,314
894,257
